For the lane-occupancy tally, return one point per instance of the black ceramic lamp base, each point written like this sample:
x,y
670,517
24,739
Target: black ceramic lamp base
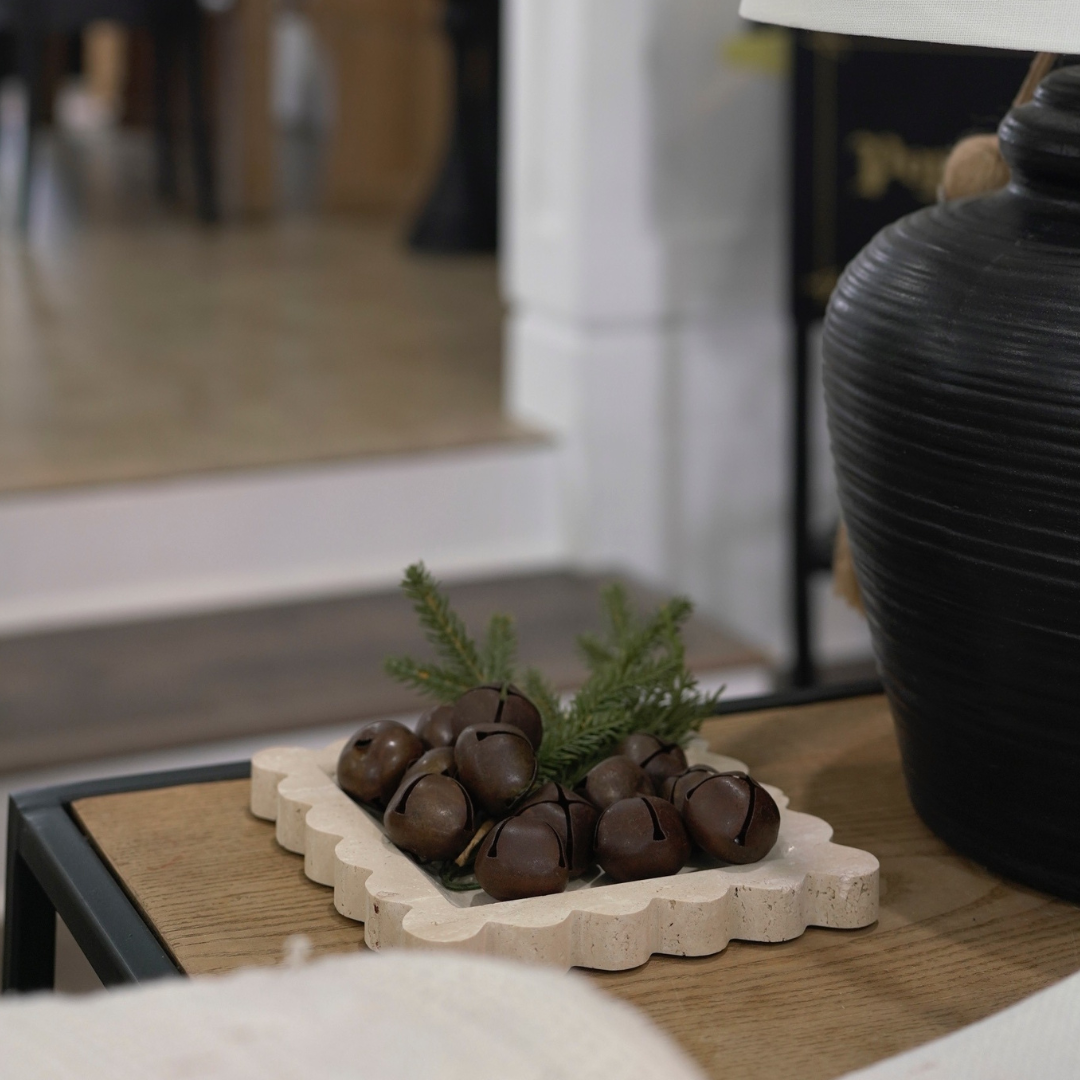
x,y
952,380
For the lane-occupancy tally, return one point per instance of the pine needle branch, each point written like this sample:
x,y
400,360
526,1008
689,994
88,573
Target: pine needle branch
x,y
438,682
498,652
596,653
604,711
446,633
638,682
616,607
443,627
638,679
544,698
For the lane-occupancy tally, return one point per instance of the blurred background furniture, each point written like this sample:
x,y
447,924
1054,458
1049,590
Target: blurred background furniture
x,y
462,211
390,93
178,35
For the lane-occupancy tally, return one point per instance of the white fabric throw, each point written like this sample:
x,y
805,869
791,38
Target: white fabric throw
x,y
421,1016
1037,1039
1032,25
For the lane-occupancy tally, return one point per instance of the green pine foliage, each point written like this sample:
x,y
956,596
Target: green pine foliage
x,y
638,679
543,697
499,652
428,679
463,665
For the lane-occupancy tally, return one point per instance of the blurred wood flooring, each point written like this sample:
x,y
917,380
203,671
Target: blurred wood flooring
x,y
80,694
162,349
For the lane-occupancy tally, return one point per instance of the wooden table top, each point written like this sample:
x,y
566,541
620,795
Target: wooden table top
x,y
954,943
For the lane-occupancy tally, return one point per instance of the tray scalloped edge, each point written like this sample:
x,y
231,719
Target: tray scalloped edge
x,y
805,881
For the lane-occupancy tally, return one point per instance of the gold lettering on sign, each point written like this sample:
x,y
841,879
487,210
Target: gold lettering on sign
x,y
819,284
882,158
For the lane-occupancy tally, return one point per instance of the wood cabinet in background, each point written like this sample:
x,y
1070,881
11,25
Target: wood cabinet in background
x,y
391,93
243,67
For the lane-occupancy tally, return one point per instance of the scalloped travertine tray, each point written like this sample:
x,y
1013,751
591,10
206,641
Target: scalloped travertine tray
x,y
806,880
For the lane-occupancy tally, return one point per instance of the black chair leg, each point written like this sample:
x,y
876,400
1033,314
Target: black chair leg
x,y
205,193
30,922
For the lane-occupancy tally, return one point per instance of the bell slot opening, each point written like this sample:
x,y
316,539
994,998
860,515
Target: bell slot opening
x,y
399,806
741,838
657,831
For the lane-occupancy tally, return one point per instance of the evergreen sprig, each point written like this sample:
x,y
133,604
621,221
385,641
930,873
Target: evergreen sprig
x,y
543,697
499,652
464,664
638,682
638,679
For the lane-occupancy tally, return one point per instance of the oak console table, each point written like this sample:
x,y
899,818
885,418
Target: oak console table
x,y
954,942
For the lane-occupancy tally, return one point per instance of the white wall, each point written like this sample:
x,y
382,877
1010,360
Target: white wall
x,y
644,267
199,543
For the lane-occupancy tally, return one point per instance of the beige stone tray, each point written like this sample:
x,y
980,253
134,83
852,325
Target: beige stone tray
x,y
806,880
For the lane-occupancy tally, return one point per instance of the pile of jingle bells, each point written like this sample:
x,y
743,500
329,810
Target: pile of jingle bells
x,y
465,781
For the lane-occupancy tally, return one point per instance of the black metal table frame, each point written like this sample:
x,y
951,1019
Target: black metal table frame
x,y
53,869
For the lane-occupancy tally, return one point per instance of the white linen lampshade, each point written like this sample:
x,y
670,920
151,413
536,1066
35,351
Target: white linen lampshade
x,y
1026,25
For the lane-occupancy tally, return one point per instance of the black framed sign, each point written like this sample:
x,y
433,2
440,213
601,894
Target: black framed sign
x,y
874,122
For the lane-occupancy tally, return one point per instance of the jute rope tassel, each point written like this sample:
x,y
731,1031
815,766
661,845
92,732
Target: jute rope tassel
x,y
845,583
975,167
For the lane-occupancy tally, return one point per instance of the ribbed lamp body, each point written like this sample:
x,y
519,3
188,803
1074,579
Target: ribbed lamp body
x,y
952,381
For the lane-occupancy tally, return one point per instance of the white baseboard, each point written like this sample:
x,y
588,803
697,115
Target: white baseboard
x,y
93,555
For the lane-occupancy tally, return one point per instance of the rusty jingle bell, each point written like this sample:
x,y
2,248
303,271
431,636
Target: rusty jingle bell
x,y
436,727
438,761
489,705
496,763
641,837
732,817
676,788
431,816
658,758
374,761
571,816
522,856
613,779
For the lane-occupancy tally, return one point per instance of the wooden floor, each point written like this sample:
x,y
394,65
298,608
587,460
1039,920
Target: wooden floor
x,y
144,351
80,694
138,344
